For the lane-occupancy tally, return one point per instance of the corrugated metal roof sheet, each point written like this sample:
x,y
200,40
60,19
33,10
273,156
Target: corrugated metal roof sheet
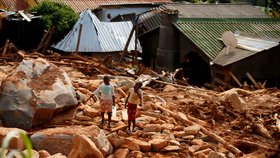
x,y
247,45
14,5
216,10
205,33
151,20
80,5
97,36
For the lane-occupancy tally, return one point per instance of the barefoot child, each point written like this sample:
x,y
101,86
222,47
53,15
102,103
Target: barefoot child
x,y
107,99
133,99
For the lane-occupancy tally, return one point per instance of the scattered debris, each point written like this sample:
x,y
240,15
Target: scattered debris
x,y
176,119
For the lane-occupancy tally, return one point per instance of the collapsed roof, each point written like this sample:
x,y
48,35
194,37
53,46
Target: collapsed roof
x,y
91,35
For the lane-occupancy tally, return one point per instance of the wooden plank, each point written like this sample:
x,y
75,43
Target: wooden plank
x,y
264,83
48,39
256,85
261,85
235,79
79,37
24,15
223,83
127,44
5,47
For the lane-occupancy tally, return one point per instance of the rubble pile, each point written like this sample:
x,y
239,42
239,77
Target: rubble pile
x,y
176,120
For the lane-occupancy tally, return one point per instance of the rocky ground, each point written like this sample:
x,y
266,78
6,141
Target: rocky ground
x,y
174,121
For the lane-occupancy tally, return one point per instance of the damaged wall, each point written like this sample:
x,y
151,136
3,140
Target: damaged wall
x,y
25,35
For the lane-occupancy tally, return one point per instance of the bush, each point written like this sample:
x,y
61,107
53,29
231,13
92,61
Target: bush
x,y
61,16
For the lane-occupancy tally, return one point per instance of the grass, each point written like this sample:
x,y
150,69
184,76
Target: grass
x,y
13,152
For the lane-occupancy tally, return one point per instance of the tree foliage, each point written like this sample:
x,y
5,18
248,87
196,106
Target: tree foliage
x,y
61,16
275,6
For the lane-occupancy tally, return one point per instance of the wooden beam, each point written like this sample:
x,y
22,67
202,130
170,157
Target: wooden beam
x,y
5,47
127,44
235,79
223,83
256,85
24,15
79,37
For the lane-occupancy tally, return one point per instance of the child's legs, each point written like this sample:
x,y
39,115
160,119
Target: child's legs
x,y
106,106
131,111
109,117
129,122
133,124
102,116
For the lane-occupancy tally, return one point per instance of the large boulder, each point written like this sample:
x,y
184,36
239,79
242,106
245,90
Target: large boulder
x,y
34,93
61,139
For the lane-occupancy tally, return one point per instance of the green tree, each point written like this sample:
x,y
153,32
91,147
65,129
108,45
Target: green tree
x,y
61,16
275,6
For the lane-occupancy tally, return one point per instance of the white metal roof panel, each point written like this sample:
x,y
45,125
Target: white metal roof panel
x,y
97,36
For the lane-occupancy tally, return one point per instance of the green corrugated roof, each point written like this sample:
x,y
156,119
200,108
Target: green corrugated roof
x,y
204,33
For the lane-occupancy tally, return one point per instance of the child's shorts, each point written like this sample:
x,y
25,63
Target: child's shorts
x,y
131,111
106,105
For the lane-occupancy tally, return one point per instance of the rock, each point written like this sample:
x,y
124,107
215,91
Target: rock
x,y
200,155
158,144
81,117
122,133
43,154
144,146
85,91
167,126
58,155
35,154
51,139
130,144
91,112
60,118
170,148
115,141
52,143
197,142
205,151
169,88
179,134
188,137
237,102
178,128
34,93
152,128
121,153
135,154
214,154
16,142
84,147
192,130
120,127
174,142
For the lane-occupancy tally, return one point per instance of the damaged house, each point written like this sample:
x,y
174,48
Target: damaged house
x,y
192,40
91,35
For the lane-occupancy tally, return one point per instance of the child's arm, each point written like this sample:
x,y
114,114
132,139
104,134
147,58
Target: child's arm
x,y
113,95
140,95
126,100
97,90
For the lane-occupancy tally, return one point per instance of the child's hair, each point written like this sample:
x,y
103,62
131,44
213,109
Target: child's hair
x,y
106,78
139,84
